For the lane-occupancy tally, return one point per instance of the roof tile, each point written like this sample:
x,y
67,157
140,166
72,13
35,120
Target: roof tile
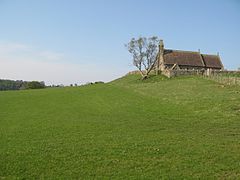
x,y
212,61
186,58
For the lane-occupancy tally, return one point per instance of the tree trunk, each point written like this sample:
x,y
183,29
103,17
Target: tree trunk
x,y
149,70
144,77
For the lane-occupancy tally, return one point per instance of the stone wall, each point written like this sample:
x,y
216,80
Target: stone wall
x,y
133,72
175,73
227,73
223,77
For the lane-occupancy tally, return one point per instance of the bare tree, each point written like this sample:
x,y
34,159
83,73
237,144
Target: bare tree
x,y
144,51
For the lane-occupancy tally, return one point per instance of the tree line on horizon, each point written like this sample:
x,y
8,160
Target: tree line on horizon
x,y
20,85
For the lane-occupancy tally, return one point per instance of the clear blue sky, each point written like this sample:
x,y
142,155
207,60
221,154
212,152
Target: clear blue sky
x,y
68,41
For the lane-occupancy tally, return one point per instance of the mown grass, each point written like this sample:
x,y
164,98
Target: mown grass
x,y
184,127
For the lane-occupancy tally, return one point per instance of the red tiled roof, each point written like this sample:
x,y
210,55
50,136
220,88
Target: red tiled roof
x,y
212,61
186,58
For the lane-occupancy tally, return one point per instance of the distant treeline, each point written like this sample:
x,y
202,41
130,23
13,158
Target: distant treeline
x,y
19,85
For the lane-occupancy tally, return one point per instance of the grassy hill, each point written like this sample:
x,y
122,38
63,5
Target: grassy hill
x,y
184,127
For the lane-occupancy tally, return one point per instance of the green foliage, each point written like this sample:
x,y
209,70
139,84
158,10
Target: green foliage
x,y
35,85
20,85
99,82
176,128
11,85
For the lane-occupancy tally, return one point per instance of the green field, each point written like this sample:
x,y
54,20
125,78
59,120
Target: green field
x,y
178,128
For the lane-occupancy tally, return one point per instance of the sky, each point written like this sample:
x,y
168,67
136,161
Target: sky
x,y
79,41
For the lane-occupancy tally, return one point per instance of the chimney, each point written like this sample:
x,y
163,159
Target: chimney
x,y
161,66
161,47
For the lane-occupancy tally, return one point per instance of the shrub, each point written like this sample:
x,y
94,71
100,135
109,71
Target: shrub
x,y
35,85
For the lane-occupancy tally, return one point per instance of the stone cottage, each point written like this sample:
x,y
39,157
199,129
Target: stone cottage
x,y
188,60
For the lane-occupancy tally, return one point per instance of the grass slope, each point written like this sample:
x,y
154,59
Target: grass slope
x,y
161,128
